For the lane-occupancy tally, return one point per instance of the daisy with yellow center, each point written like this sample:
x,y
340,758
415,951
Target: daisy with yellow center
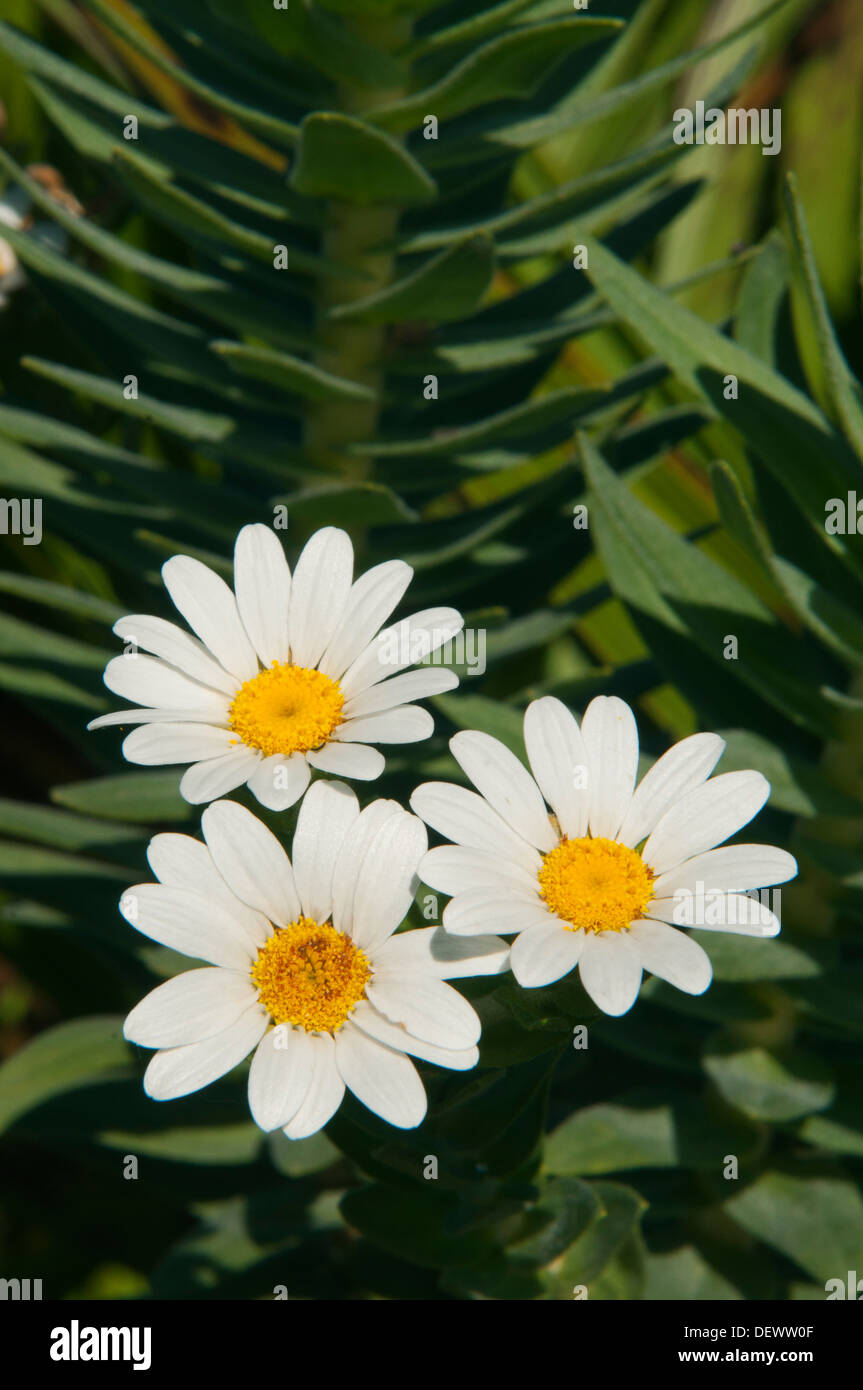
x,y
304,971
284,674
604,878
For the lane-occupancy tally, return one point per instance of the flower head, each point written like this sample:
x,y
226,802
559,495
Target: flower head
x,y
305,969
600,883
284,674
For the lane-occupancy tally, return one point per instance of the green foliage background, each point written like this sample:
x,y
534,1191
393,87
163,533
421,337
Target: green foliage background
x,y
408,256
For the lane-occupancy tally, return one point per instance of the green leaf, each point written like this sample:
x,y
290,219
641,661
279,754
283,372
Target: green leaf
x,y
196,217
841,1130
774,1085
104,243
291,373
796,442
776,958
558,409
82,1052
815,1220
446,287
35,59
512,65
61,829
564,1209
586,105
589,1255
132,796
683,1275
796,785
489,716
296,1158
670,583
19,861
274,126
345,158
643,1130
344,504
845,396
204,1144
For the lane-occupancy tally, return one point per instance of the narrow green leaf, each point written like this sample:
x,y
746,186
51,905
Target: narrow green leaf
x,y
846,398
511,65
448,286
83,1052
291,373
132,796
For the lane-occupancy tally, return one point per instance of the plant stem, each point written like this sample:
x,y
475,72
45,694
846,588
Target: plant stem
x,y
359,238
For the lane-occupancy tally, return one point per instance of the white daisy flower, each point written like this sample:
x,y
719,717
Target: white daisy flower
x,y
304,967
284,674
599,884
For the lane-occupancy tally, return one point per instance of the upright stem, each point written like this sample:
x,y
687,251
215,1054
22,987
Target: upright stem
x,y
357,238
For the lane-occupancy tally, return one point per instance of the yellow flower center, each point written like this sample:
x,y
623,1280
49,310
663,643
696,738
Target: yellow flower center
x,y
286,709
310,975
595,884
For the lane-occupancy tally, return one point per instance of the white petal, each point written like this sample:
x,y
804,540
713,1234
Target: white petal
x,y
466,818
145,680
178,648
325,1093
386,881
262,584
404,724
207,780
278,782
435,952
328,811
545,953
686,765
396,1036
181,1070
403,644
497,910
506,785
672,956
210,609
179,861
251,861
349,760
558,758
456,869
384,1080
155,744
189,1008
371,600
735,868
349,862
610,970
611,738
187,922
279,1076
731,912
159,716
430,1009
319,593
704,817
411,685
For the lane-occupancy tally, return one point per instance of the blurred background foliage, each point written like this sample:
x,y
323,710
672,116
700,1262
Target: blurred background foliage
x,y
558,1167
